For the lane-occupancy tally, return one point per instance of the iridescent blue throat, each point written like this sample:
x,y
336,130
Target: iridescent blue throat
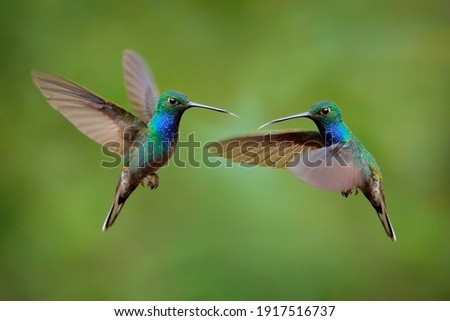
x,y
164,125
333,133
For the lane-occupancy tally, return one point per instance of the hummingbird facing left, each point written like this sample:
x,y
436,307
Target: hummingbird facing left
x,y
332,158
145,143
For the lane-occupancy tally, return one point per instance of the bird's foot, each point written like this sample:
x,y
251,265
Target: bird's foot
x,y
151,181
349,192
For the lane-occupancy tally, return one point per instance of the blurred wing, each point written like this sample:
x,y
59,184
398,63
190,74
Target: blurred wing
x,y
336,167
97,118
273,149
140,85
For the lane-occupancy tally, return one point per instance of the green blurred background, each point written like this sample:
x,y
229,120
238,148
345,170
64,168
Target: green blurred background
x,y
239,233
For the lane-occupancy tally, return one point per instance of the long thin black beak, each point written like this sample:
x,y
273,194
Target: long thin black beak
x,y
307,114
192,104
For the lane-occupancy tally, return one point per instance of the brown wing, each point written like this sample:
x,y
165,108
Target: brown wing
x,y
272,149
96,117
140,85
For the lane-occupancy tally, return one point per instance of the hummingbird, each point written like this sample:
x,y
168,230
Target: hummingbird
x,y
145,143
331,158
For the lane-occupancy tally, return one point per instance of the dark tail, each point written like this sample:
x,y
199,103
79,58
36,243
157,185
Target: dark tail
x,y
119,200
384,218
380,206
115,209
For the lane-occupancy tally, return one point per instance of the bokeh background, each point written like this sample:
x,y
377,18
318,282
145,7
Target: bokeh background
x,y
227,233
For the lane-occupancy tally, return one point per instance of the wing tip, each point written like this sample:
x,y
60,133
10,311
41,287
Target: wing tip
x,y
38,77
35,73
42,79
127,51
133,56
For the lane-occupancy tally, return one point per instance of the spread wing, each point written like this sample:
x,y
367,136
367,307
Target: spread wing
x,y
273,149
96,117
336,167
140,85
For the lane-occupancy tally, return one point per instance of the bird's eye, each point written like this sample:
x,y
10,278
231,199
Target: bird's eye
x,y
172,101
325,111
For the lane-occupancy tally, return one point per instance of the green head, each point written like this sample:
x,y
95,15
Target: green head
x,y
176,102
323,113
172,101
328,119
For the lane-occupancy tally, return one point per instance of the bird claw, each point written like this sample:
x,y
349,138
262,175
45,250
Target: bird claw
x,y
151,181
349,192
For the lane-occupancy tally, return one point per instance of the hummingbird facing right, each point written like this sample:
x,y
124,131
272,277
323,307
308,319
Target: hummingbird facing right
x,y
145,143
332,158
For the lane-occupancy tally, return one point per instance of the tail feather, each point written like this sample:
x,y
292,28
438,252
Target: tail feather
x,y
123,190
379,205
384,218
114,211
